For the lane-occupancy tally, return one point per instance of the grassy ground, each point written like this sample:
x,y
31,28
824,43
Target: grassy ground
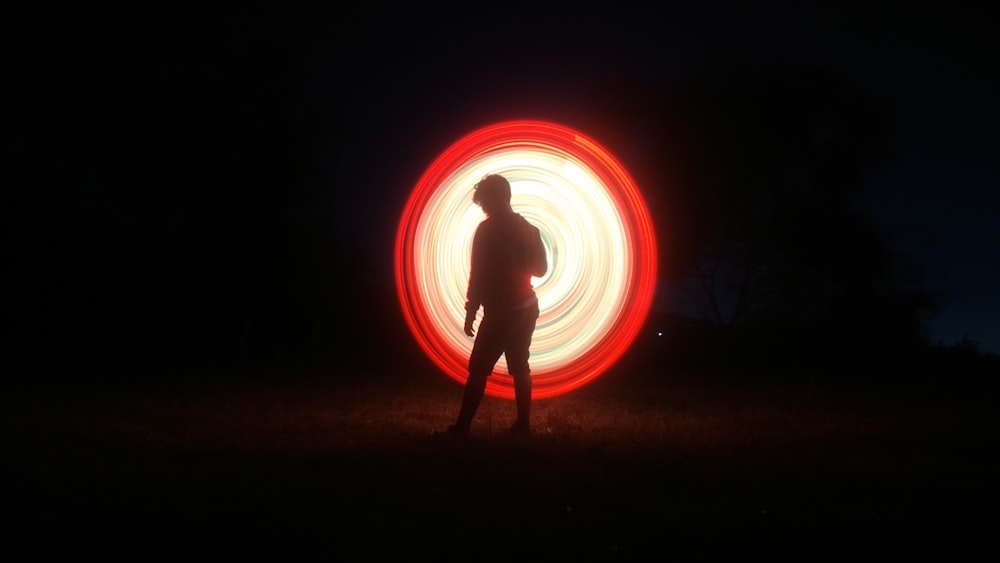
x,y
628,468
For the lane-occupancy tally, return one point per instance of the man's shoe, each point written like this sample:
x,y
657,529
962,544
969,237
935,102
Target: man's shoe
x,y
451,432
520,429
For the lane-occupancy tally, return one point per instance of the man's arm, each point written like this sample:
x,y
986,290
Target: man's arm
x,y
537,263
474,293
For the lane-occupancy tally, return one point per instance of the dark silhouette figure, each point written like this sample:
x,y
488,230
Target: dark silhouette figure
x,y
507,251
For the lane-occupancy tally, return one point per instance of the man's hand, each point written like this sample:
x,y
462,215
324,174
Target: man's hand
x,y
470,317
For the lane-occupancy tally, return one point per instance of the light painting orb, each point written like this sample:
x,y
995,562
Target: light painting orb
x,y
598,237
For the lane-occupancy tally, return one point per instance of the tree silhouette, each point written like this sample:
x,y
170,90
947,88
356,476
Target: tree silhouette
x,y
753,173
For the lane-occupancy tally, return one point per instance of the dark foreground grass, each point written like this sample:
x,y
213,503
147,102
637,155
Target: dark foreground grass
x,y
325,467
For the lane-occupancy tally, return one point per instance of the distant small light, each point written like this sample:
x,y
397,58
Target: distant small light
x,y
659,333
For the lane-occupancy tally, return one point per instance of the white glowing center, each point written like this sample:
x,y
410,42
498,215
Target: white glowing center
x,y
590,263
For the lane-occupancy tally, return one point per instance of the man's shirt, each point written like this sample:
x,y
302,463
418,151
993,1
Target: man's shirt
x,y
506,252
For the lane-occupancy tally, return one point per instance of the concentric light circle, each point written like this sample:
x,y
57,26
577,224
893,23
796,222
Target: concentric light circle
x,y
598,237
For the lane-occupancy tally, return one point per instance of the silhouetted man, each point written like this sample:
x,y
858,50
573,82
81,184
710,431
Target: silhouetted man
x,y
506,252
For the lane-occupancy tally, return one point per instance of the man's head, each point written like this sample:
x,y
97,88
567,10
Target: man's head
x,y
492,193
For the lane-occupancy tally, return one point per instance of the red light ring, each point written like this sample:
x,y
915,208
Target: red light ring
x,y
539,158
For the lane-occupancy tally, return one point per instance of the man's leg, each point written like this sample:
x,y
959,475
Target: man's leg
x,y
522,395
485,352
475,386
517,352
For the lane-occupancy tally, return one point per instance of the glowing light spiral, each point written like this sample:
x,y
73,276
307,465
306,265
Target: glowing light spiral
x,y
598,237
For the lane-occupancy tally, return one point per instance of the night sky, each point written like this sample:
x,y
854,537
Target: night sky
x,y
158,159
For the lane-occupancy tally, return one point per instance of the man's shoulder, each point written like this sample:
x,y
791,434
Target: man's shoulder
x,y
503,223
483,228
526,223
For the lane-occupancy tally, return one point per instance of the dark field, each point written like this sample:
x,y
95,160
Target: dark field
x,y
197,467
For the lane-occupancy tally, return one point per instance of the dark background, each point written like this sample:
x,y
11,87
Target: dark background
x,y
223,185
195,197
